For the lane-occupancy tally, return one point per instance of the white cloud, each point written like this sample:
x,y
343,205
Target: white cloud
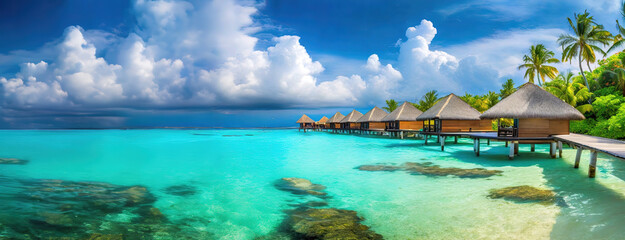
x,y
172,61
424,69
504,50
208,32
382,81
146,80
282,75
24,90
77,76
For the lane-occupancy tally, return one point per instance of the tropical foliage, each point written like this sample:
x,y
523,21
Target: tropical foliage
x,y
536,64
507,88
588,37
479,102
619,39
570,91
391,105
427,101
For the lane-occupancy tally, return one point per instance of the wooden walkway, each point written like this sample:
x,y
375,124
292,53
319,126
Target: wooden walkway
x,y
609,146
594,144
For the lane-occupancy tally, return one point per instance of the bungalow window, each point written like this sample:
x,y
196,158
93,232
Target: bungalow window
x,y
508,131
432,125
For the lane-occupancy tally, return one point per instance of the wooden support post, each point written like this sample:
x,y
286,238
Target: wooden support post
x,y
511,153
438,138
478,148
474,145
488,142
426,140
401,134
442,143
560,149
456,139
577,157
533,147
552,149
506,143
516,148
592,166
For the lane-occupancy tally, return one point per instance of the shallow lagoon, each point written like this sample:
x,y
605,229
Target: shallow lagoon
x,y
225,181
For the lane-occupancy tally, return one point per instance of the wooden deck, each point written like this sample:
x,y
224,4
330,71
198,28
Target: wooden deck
x,y
484,135
609,146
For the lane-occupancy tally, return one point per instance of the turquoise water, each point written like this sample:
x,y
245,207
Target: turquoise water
x,y
234,172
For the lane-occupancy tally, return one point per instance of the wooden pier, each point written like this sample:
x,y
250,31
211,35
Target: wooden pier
x,y
583,142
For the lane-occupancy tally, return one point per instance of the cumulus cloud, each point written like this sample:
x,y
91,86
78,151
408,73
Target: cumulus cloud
x,y
382,81
424,69
171,61
76,77
282,76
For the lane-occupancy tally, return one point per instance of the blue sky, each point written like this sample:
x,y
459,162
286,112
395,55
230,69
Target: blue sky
x,y
227,63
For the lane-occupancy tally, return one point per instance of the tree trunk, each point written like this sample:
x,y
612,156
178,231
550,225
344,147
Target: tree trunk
x,y
589,69
583,75
538,77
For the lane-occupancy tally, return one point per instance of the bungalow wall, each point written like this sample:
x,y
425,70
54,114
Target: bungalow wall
x,y
466,125
376,125
410,125
354,125
542,127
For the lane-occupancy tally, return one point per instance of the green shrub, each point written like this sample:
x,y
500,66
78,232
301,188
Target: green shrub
x,y
583,126
606,91
616,124
607,106
602,130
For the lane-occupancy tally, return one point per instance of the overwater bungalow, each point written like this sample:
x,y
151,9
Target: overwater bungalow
x,y
372,121
321,124
349,122
403,119
452,114
305,122
334,123
538,115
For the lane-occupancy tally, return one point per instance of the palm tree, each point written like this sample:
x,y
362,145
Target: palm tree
x,y
391,105
492,99
536,64
618,39
507,88
427,101
570,91
583,44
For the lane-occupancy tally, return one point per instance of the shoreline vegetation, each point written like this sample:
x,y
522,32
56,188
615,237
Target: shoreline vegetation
x,y
597,93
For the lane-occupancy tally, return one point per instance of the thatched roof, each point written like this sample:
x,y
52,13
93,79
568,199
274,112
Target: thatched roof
x,y
531,101
451,107
352,117
405,112
323,120
305,119
374,115
336,118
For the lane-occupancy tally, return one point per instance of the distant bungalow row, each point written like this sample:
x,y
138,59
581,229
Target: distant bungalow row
x,y
538,118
